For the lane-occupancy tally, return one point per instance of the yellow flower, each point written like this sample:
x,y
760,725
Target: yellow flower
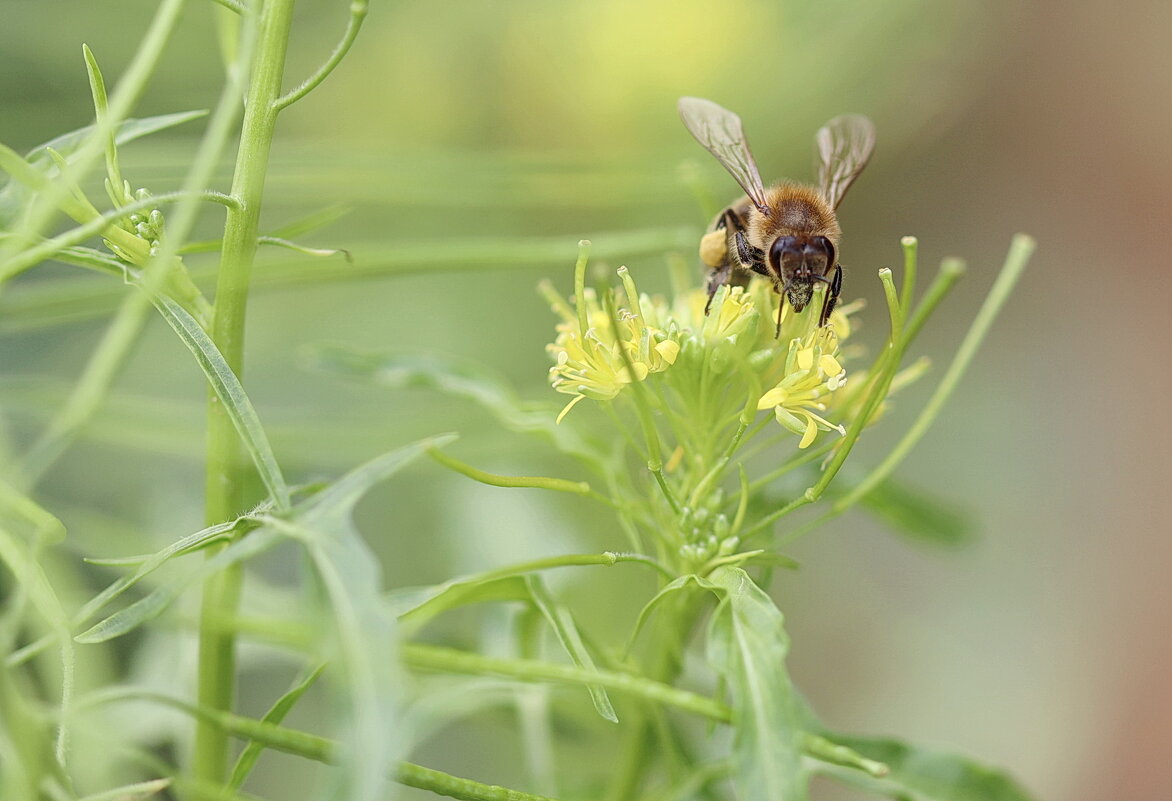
x,y
812,373
592,364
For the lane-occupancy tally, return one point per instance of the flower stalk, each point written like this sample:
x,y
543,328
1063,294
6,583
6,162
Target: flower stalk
x,y
227,466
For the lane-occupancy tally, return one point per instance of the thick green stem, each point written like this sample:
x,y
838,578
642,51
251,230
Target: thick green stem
x,y
226,464
675,630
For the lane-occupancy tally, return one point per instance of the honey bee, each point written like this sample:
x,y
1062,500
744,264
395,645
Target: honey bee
x,y
789,232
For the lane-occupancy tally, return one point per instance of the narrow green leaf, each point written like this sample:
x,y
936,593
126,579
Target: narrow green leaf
x,y
420,605
747,646
462,593
304,250
115,186
922,774
566,629
361,638
228,389
462,380
189,544
918,517
251,753
126,131
152,605
429,657
22,559
29,174
679,584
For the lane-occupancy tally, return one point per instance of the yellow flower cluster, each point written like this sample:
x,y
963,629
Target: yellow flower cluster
x,y
600,361
812,372
738,337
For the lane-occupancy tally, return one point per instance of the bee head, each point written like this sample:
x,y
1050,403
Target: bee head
x,y
799,261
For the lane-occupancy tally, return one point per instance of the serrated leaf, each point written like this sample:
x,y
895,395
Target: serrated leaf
x,y
564,626
918,517
922,774
747,646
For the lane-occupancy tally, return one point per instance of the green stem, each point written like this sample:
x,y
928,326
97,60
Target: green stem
x,y
675,629
103,224
357,15
950,273
907,292
163,269
1015,263
434,658
525,482
39,213
226,465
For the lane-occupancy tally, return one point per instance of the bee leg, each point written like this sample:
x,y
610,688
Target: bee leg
x,y
730,219
751,257
716,279
725,273
832,295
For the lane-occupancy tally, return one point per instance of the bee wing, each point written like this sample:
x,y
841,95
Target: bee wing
x,y
720,131
844,147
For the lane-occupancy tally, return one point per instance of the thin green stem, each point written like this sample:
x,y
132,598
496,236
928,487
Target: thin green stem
x,y
119,338
129,89
1015,264
950,273
227,466
894,309
805,457
643,413
447,659
532,482
319,749
354,24
105,225
907,292
678,618
580,286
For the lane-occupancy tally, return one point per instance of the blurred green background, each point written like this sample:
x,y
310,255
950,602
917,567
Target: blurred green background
x,y
474,143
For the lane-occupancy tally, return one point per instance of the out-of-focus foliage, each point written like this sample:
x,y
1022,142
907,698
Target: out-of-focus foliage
x,y
472,135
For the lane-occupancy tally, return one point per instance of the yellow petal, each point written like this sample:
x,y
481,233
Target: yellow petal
x,y
669,350
805,358
830,365
811,432
774,397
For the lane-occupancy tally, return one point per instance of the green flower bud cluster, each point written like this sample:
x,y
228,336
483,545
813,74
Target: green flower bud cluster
x,y
147,224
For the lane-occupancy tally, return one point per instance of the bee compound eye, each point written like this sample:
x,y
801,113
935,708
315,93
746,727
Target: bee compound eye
x,y
781,246
828,248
